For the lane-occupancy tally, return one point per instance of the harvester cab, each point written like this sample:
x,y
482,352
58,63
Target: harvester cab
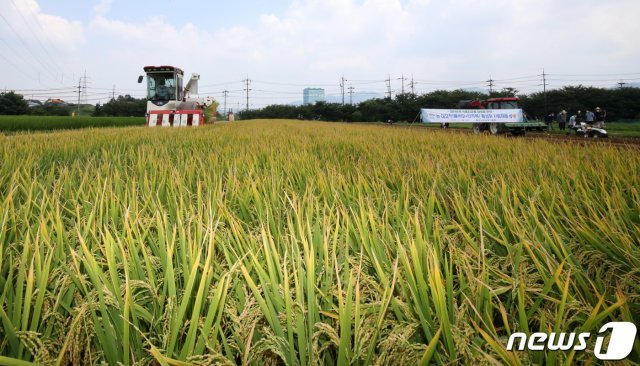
x,y
168,101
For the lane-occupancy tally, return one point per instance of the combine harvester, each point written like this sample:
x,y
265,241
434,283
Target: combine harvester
x,y
495,115
168,103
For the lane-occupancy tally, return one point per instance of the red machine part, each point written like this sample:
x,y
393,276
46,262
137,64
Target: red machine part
x,y
179,118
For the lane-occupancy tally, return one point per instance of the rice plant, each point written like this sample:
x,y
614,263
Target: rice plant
x,y
25,123
302,243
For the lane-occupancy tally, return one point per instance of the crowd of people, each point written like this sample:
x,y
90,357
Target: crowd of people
x,y
595,118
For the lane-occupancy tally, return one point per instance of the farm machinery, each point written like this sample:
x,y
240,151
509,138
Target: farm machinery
x,y
519,127
584,130
169,102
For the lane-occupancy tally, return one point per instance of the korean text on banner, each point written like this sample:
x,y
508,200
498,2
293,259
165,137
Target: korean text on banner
x,y
471,115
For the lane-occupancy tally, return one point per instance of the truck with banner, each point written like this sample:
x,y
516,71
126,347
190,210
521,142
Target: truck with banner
x,y
495,115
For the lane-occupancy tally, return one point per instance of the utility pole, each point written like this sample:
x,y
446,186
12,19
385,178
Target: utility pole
x,y
113,93
247,81
490,84
84,87
413,84
351,95
79,90
402,78
544,90
342,80
622,84
225,92
388,81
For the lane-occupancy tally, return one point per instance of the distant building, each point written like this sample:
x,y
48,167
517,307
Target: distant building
x,y
312,95
55,101
32,103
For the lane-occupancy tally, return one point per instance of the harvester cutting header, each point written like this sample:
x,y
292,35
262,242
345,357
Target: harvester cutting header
x,y
168,102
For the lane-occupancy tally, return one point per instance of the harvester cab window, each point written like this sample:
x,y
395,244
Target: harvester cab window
x,y
162,86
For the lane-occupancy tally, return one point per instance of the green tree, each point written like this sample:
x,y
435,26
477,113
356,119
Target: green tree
x,y
123,106
620,104
97,111
13,104
51,110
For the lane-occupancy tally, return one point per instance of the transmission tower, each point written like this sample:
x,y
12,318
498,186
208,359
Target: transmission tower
x,y
225,92
490,84
388,81
342,80
412,85
402,78
247,82
544,89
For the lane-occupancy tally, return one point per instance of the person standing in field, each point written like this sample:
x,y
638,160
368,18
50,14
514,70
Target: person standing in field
x,y
572,123
590,117
548,119
599,117
562,119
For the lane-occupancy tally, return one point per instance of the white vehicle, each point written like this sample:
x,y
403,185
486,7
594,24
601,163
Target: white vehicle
x,y
587,131
168,102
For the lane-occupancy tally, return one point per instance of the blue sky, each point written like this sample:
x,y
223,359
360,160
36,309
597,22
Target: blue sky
x,y
284,46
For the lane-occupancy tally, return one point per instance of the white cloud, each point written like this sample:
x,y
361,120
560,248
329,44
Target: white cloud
x,y
321,40
31,24
102,8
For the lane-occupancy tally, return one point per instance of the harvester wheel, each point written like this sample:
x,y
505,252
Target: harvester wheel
x,y
493,128
519,132
476,128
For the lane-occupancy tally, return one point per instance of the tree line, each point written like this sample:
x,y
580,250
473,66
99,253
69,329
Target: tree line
x,y
621,104
12,103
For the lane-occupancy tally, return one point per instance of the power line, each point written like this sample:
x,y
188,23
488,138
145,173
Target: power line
x,y
24,60
26,46
588,75
38,39
17,67
290,84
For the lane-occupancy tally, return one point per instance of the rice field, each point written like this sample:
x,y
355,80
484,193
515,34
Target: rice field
x,y
304,243
15,124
